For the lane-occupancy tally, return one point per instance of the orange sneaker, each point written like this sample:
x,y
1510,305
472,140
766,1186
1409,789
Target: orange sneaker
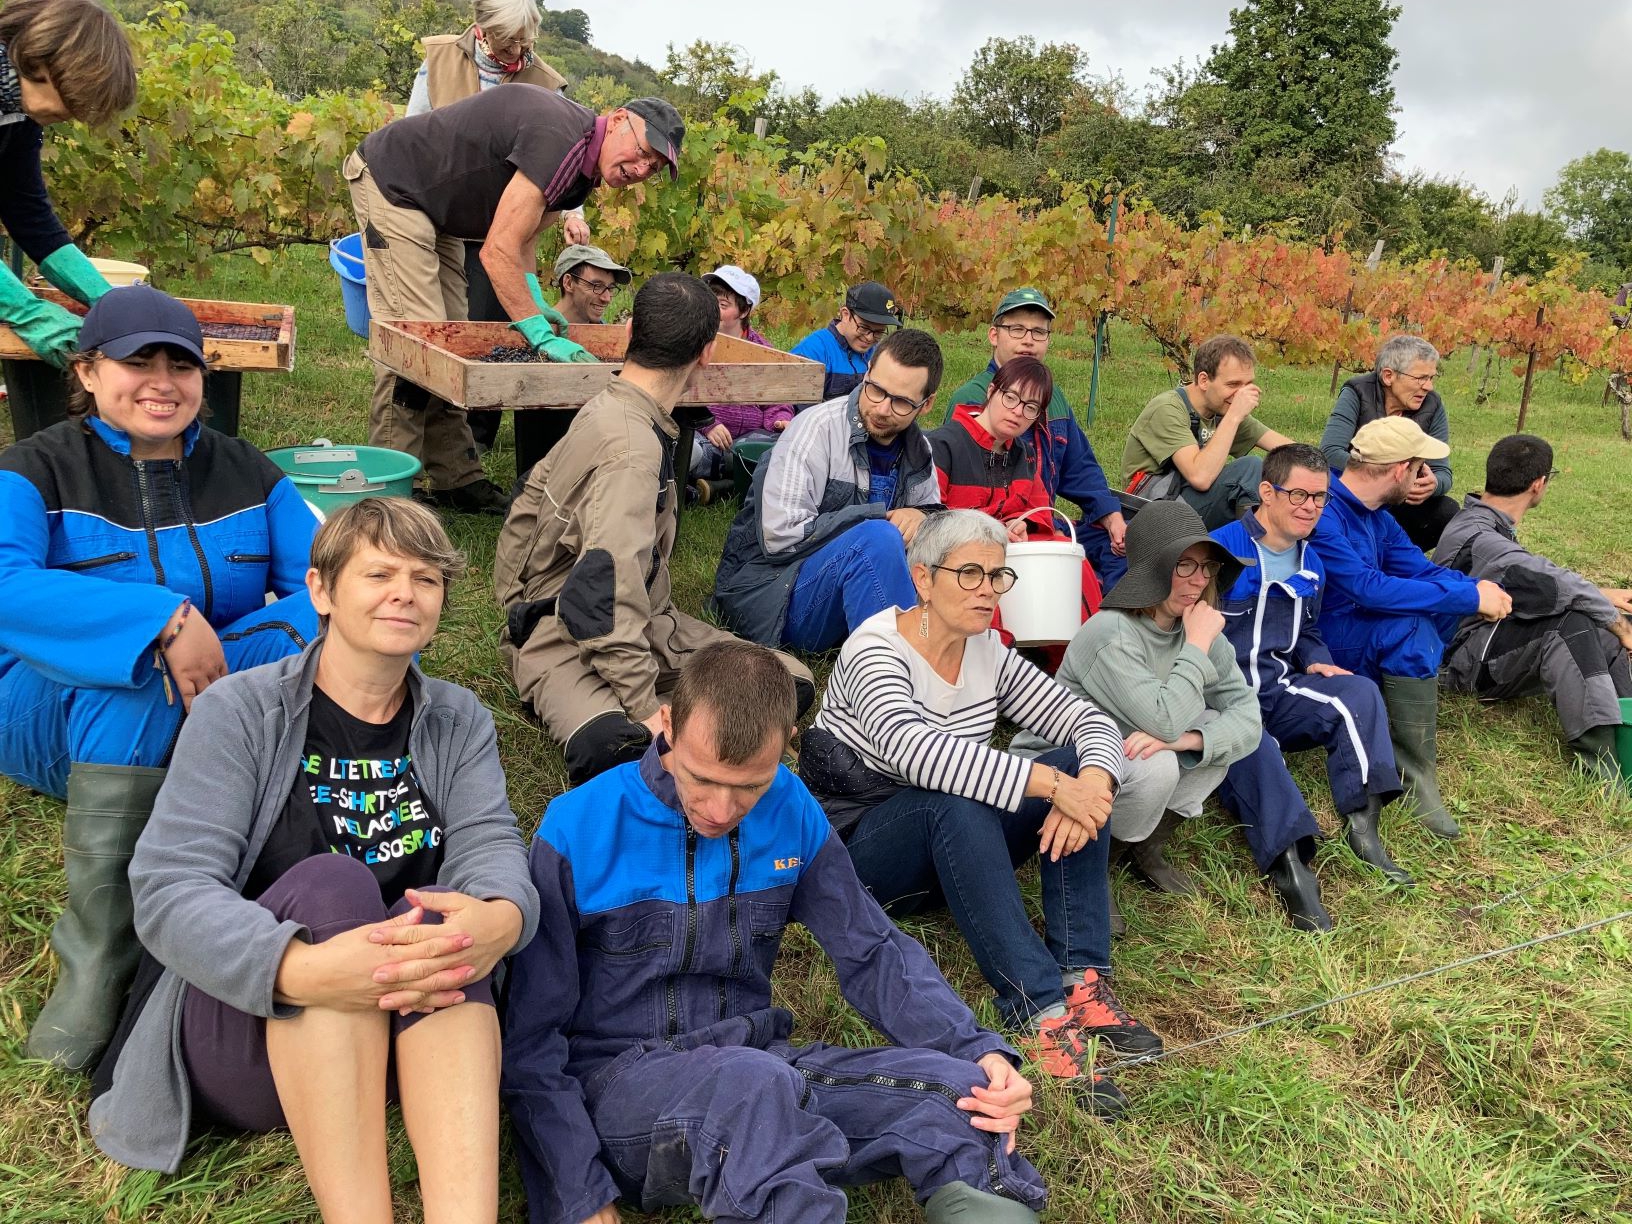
x,y
1097,1013
1061,1051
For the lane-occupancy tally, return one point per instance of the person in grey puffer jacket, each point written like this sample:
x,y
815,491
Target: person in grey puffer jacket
x,y
1565,637
331,872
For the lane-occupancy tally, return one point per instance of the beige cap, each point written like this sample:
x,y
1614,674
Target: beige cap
x,y
1394,439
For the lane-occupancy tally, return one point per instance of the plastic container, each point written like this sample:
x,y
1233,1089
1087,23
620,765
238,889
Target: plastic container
x,y
331,477
119,272
1623,739
346,258
746,456
1044,606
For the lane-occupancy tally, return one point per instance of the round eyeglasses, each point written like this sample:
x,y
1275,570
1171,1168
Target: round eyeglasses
x,y
972,575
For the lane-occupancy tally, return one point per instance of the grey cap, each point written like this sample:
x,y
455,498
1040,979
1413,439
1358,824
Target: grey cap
x,y
1157,538
578,253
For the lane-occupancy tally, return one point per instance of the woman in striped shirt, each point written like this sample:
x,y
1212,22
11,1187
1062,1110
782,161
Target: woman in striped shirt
x,y
901,760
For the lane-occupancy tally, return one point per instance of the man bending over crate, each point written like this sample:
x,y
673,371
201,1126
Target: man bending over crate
x,y
592,635
499,167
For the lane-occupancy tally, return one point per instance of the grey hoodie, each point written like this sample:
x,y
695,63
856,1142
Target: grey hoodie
x,y
232,771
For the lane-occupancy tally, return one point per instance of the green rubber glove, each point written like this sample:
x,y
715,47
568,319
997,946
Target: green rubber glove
x,y
45,327
556,318
69,270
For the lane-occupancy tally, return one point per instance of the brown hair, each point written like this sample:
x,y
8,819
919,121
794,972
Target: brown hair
x,y
1020,374
79,47
748,691
82,404
395,525
1211,353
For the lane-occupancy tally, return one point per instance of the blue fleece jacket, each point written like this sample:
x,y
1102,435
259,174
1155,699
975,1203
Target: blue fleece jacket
x,y
845,366
652,935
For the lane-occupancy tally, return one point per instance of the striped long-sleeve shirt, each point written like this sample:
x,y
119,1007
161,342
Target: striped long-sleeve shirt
x,y
887,704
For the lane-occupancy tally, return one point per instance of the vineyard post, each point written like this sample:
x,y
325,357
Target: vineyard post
x,y
1529,375
1495,280
1372,263
974,189
761,126
1099,326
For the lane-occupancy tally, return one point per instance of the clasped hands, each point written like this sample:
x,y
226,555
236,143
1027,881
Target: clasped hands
x,y
403,964
1082,805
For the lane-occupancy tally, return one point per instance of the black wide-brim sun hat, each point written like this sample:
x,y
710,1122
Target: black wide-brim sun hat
x,y
1157,538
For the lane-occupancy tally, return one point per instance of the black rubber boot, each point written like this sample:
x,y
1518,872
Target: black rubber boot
x,y
1360,831
1593,753
1299,891
94,939
1413,725
961,1203
480,496
1145,860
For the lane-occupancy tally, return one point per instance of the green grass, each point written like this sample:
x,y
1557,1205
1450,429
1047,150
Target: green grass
x,y
1496,1093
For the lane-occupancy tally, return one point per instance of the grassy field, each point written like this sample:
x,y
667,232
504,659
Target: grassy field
x,y
1498,1092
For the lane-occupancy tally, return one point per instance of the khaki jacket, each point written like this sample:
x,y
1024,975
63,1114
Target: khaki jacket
x,y
586,544
450,69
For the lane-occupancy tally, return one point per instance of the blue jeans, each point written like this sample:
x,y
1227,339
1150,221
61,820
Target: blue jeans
x,y
844,582
46,726
920,847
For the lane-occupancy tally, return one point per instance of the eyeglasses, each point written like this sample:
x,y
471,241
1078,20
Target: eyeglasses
x,y
1298,496
1554,474
1425,379
899,404
1184,567
1019,331
864,328
597,288
972,575
1031,409
649,157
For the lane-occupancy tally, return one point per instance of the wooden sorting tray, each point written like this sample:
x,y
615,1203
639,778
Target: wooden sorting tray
x,y
274,353
443,358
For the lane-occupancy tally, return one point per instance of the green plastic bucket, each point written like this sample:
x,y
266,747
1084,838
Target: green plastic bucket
x,y
745,457
331,477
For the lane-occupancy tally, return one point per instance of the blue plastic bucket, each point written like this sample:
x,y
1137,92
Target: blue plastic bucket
x,y
346,258
331,477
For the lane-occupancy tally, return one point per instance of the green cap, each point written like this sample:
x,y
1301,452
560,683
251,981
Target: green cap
x,y
1027,297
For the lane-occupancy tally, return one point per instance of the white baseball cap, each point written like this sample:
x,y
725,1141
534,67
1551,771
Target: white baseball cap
x,y
738,281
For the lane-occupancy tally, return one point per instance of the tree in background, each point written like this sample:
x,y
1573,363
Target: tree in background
x,y
570,24
1014,92
703,77
1593,200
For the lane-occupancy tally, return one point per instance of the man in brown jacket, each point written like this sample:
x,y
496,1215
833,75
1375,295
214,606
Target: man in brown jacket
x,y
592,636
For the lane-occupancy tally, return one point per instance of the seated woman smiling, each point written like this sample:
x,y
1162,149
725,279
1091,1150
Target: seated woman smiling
x,y
330,875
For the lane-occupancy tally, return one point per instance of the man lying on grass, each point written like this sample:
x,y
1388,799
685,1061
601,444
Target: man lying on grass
x,y
641,1044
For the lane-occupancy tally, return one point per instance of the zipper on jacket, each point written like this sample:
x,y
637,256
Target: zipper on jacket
x,y
736,935
910,1085
185,510
93,562
145,493
249,558
691,931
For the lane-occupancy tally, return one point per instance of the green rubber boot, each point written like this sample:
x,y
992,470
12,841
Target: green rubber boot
x,y
94,939
1593,753
1413,725
961,1203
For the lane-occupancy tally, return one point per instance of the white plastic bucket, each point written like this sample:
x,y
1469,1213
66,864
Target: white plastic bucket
x,y
1044,606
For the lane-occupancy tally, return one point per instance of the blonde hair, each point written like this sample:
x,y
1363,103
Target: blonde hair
x,y
519,17
79,47
395,525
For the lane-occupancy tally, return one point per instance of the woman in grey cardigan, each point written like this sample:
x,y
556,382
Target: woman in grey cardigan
x,y
331,872
1155,659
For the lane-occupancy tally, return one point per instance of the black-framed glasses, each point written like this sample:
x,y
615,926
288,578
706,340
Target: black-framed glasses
x,y
864,328
1554,474
1298,496
899,404
972,575
1186,567
1019,331
1012,401
595,287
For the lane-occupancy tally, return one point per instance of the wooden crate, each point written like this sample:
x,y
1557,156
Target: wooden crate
x,y
443,358
277,353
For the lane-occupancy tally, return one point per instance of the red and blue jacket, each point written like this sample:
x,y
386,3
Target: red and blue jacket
x,y
652,935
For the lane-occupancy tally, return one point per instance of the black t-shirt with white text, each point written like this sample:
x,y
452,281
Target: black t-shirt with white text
x,y
356,793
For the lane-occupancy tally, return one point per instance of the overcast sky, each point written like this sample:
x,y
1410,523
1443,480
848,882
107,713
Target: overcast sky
x,y
1501,93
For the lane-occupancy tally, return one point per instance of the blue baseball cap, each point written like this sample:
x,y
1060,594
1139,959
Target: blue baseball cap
x,y
128,319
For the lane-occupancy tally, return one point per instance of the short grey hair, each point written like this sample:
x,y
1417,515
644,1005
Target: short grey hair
x,y
1400,353
944,533
521,18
